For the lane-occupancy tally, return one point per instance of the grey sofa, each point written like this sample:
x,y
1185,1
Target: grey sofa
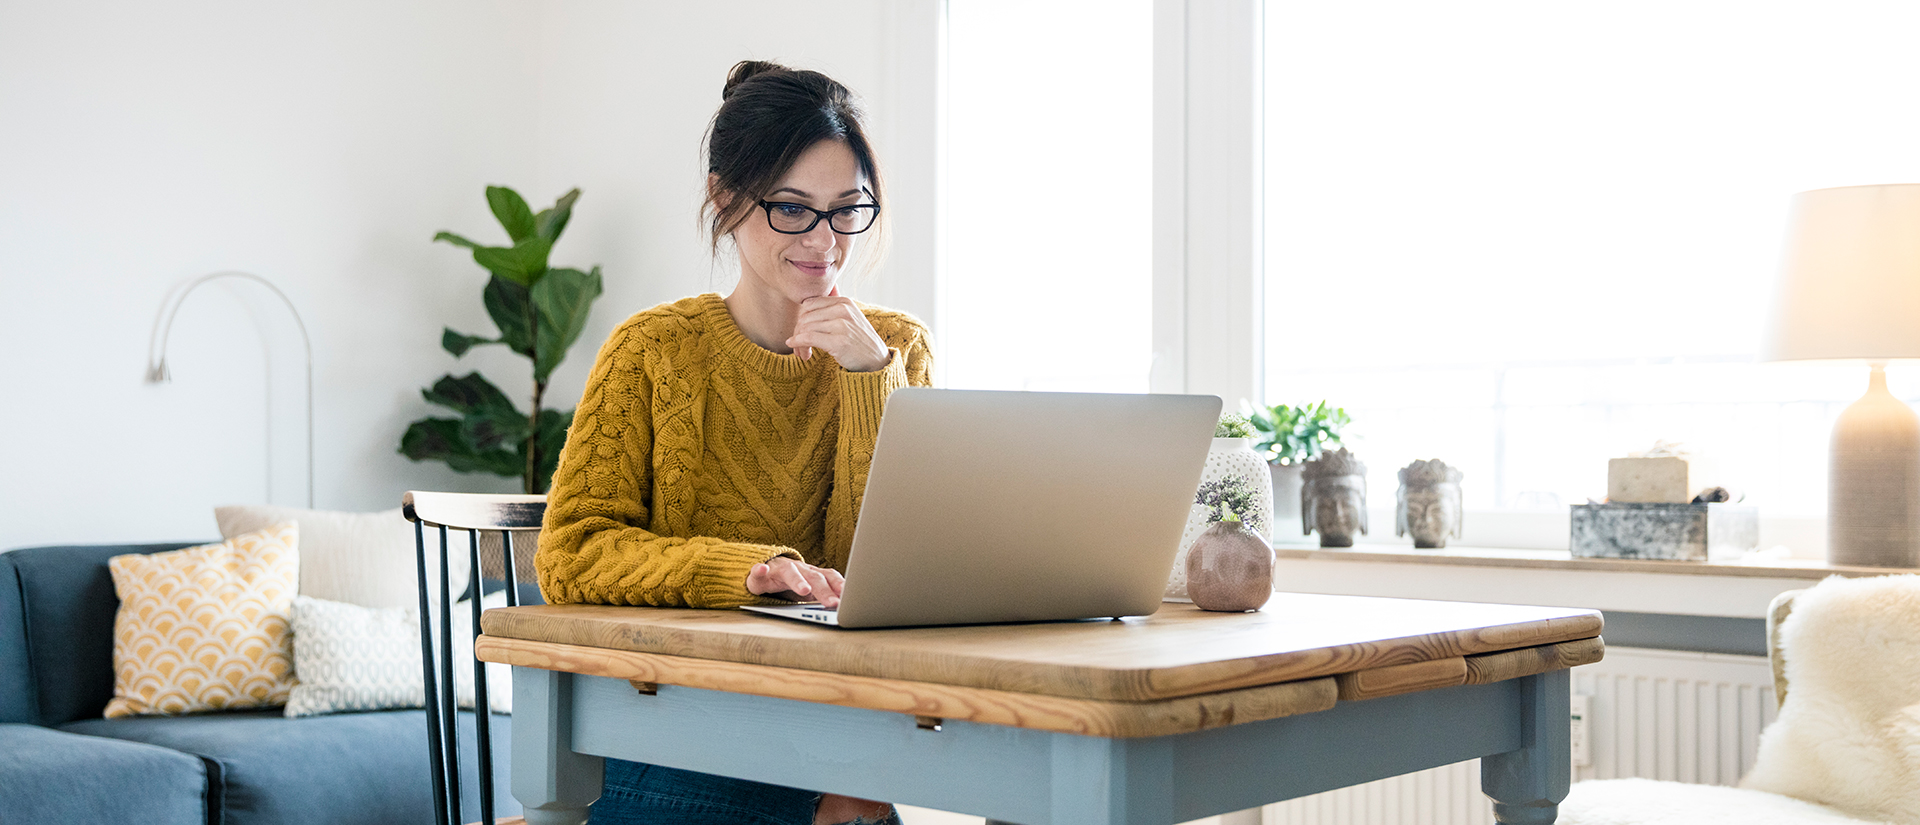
x,y
61,762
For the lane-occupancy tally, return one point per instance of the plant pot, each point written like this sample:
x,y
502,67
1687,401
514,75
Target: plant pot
x,y
1227,456
1286,500
1230,569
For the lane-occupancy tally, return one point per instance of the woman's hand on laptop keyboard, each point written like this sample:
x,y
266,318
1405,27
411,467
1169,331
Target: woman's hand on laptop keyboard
x,y
784,578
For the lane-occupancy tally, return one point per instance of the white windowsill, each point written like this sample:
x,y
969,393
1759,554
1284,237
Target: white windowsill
x,y
1737,589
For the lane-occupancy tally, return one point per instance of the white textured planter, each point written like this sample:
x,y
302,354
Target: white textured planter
x,y
1286,501
1227,456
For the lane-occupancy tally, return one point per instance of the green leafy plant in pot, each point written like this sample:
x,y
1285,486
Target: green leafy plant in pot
x,y
1287,436
539,311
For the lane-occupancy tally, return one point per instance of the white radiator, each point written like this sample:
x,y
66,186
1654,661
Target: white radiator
x,y
1687,717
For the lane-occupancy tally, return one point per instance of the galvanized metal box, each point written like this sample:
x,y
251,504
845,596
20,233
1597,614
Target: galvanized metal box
x,y
1664,532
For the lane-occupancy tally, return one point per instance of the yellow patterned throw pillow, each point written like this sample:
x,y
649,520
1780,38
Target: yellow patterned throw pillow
x,y
205,628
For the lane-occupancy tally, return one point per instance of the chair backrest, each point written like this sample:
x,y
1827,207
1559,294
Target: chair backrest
x,y
1777,612
473,514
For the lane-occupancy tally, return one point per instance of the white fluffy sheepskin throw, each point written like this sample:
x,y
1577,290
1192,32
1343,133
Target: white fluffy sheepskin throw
x,y
1849,733
1652,802
1846,746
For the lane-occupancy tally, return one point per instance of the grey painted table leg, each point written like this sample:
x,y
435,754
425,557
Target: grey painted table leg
x,y
1110,782
554,784
1528,784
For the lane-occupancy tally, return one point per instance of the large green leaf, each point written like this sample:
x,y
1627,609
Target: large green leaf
x,y
523,264
489,430
562,301
488,420
440,439
458,343
512,311
471,394
456,240
550,221
553,436
512,212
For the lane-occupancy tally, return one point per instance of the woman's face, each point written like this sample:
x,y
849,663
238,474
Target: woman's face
x,y
798,267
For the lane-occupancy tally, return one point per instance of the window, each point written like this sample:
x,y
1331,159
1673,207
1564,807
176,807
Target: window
x,y
1049,209
1526,237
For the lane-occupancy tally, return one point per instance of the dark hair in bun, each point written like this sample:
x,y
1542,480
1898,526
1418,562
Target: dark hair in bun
x,y
769,115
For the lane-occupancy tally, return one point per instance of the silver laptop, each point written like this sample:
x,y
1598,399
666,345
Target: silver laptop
x,y
987,507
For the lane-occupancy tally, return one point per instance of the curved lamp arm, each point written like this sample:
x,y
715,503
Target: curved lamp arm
x,y
157,372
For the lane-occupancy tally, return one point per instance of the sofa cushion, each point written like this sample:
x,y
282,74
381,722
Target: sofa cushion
x,y
68,601
368,559
17,700
51,776
365,768
350,658
205,628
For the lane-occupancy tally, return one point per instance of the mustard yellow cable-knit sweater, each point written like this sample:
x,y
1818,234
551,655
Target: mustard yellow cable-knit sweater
x,y
696,454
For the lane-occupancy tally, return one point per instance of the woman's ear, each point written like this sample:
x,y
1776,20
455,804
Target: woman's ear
x,y
720,196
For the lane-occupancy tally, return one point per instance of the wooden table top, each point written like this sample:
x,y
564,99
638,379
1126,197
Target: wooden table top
x,y
1374,646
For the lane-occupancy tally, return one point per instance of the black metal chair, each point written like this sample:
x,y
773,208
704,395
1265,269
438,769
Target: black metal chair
x,y
473,513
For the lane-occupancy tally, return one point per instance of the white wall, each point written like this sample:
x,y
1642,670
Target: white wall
x,y
321,145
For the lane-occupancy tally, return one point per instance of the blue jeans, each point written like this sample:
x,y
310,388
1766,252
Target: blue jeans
x,y
635,793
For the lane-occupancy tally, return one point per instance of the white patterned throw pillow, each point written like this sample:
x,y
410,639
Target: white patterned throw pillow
x,y
352,658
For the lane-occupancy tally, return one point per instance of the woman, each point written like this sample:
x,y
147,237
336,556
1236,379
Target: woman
x,y
720,452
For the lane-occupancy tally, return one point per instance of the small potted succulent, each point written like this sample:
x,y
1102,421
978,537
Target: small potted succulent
x,y
1286,437
1230,567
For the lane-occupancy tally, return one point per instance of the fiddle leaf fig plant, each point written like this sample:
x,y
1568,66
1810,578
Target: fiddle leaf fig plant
x,y
538,311
1291,435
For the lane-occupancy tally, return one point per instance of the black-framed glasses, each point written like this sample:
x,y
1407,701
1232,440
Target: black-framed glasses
x,y
789,218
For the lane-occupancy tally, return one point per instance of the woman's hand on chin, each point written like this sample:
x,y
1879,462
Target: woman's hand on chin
x,y
784,578
836,325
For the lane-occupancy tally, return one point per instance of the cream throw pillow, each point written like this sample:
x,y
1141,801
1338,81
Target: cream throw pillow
x,y
358,558
205,628
352,658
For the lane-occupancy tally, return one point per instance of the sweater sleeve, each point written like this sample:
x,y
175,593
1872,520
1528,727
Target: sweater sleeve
x,y
594,545
863,397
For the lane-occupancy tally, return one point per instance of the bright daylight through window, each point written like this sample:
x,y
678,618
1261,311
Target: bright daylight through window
x,y
1049,210
1526,237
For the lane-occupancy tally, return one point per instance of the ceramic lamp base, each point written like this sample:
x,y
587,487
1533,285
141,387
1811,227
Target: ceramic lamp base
x,y
1873,498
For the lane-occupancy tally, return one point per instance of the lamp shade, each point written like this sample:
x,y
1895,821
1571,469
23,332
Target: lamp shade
x,y
1850,281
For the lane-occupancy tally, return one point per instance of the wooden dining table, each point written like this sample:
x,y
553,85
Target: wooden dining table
x,y
1138,721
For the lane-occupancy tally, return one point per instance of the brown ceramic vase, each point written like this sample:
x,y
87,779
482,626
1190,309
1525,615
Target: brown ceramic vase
x,y
1229,569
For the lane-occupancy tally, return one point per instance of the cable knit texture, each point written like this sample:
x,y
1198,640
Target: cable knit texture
x,y
696,454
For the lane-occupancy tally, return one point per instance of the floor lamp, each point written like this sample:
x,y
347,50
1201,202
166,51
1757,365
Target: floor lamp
x,y
1850,289
157,372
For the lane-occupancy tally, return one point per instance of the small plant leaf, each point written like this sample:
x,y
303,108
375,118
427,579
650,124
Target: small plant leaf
x,y
522,264
456,240
562,300
458,343
551,221
512,212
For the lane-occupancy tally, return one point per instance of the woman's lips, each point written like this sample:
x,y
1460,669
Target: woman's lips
x,y
814,268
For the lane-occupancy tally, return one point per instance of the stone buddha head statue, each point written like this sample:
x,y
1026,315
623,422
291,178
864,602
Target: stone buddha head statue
x,y
1333,498
1428,505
